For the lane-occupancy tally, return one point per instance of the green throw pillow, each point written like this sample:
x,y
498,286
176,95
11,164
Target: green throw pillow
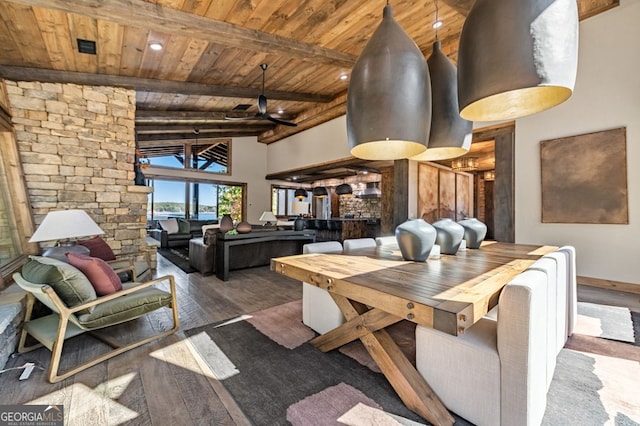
x,y
71,285
184,227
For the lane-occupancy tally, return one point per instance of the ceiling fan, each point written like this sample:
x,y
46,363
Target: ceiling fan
x,y
262,108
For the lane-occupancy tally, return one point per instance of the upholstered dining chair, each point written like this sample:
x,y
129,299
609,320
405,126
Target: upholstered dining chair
x,y
358,243
381,241
319,311
77,309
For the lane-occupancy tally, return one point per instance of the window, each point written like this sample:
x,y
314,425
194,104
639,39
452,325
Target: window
x,y
202,200
210,155
282,198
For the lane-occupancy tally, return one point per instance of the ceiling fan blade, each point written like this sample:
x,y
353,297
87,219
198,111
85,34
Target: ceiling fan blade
x,y
278,121
253,117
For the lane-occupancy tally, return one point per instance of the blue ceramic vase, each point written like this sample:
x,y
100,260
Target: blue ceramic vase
x,y
449,236
415,239
474,231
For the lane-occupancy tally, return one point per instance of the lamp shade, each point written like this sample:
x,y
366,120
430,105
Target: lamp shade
x,y
344,189
320,192
516,57
389,96
268,216
300,207
450,135
65,224
300,193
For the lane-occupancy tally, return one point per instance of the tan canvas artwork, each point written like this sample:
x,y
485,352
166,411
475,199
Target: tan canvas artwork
x,y
584,178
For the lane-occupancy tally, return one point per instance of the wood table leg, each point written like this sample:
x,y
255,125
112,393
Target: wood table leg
x,y
404,378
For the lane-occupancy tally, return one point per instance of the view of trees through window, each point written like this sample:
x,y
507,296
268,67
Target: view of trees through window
x,y
194,200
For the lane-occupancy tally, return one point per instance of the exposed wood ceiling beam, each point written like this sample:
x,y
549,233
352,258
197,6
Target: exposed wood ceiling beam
x,y
151,85
204,129
182,138
586,8
185,117
147,15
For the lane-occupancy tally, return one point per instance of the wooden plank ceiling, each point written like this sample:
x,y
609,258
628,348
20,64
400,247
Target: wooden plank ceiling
x,y
211,54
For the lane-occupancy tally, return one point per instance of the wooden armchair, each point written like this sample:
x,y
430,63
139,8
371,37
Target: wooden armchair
x,y
76,310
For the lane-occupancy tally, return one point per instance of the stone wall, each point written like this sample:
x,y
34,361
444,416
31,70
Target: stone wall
x,y
77,149
360,207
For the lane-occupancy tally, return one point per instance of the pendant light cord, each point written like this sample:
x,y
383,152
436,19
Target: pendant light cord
x,y
436,26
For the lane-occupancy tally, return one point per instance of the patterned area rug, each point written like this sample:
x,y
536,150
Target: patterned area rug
x,y
265,362
179,256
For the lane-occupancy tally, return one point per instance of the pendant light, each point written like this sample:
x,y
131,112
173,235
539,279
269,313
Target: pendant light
x,y
516,57
344,189
300,194
450,135
389,96
320,192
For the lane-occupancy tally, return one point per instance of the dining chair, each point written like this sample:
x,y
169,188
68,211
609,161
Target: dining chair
x,y
358,243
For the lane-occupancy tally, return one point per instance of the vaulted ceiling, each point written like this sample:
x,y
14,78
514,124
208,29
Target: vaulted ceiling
x,y
211,54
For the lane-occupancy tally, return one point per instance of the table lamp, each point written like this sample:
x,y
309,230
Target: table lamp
x,y
64,227
299,208
268,218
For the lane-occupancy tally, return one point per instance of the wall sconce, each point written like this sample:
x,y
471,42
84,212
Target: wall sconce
x,y
465,164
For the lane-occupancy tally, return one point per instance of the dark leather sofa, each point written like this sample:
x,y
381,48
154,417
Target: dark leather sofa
x,y
180,239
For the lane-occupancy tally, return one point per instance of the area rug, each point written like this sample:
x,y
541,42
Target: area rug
x,y
265,362
609,322
179,256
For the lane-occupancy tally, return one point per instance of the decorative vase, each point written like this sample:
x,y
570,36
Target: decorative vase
x,y
415,239
474,231
226,223
449,236
243,227
298,224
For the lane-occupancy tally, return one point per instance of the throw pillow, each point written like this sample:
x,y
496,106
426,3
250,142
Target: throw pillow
x,y
98,248
71,285
184,227
170,225
103,279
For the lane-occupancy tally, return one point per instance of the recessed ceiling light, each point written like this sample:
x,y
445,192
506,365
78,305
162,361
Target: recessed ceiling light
x,y
280,110
155,46
343,77
437,24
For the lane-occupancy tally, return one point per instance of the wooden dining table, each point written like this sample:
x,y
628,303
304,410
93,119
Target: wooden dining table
x,y
375,288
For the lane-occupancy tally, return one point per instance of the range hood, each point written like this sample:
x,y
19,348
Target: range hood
x,y
371,191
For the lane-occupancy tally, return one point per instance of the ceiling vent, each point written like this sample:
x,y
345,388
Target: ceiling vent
x,y
241,107
86,46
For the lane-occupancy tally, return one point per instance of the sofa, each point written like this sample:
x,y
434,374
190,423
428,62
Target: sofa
x,y
177,232
269,241
499,371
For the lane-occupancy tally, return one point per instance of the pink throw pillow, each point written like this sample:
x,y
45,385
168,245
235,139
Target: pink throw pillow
x,y
98,248
102,277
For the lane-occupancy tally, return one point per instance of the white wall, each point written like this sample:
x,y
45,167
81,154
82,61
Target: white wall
x,y
326,142
606,96
248,165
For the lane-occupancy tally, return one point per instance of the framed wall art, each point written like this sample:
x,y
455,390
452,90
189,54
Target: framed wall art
x,y
584,178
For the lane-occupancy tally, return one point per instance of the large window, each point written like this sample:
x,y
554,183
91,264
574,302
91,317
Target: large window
x,y
282,198
195,199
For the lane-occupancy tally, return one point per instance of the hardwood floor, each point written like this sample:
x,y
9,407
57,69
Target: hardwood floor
x,y
162,383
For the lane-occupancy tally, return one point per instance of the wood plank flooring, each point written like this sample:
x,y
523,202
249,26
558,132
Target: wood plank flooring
x,y
162,383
